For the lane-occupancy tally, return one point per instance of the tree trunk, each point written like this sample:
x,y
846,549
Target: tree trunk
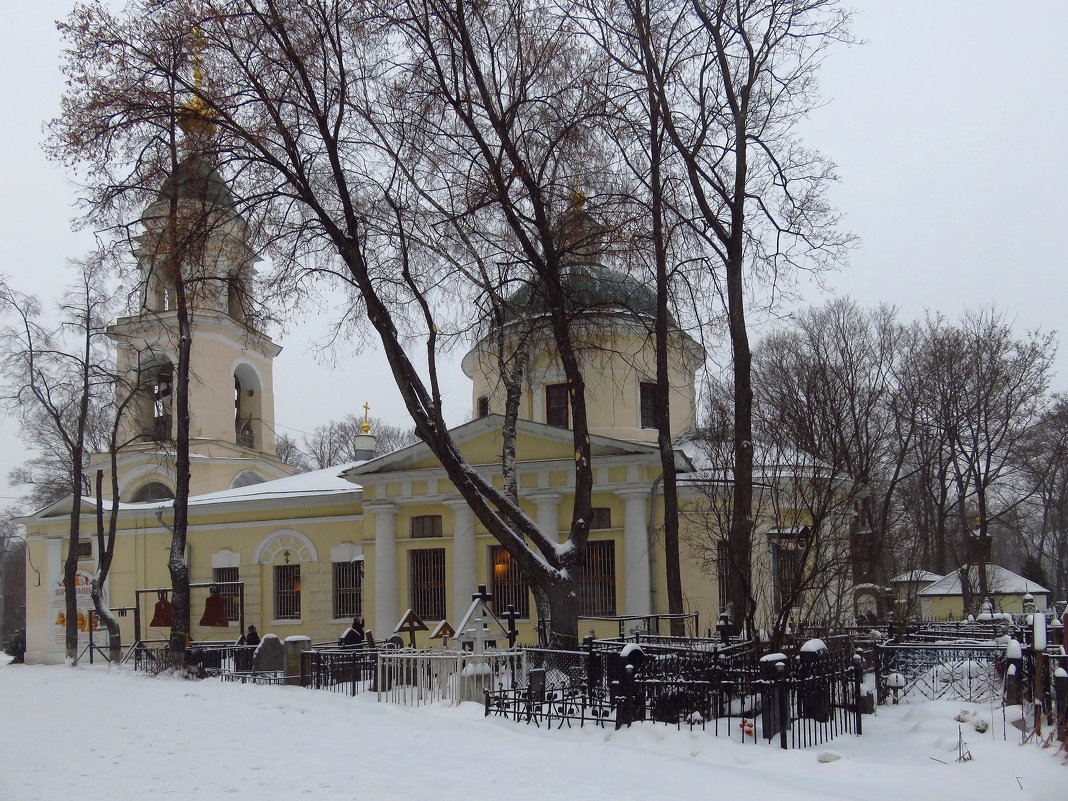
x,y
70,566
177,564
106,552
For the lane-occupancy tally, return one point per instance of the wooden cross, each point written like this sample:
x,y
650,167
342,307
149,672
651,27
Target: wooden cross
x,y
410,623
442,631
482,595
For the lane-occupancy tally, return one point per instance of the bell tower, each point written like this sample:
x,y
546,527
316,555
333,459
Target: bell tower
x,y
193,226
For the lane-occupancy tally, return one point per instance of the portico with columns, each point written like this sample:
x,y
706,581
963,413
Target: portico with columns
x,y
420,523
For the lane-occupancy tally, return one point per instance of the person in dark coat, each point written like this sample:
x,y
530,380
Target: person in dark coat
x,y
253,637
354,634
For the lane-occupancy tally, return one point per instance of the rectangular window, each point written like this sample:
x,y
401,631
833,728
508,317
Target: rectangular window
x,y
556,405
508,585
426,526
287,592
723,572
650,405
231,595
348,589
483,406
600,517
426,567
790,567
597,579
85,549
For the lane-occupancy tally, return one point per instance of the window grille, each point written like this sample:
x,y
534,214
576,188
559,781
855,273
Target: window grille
x,y
287,592
152,491
230,595
723,574
791,563
597,579
508,584
650,405
85,549
348,589
427,573
556,405
600,517
426,526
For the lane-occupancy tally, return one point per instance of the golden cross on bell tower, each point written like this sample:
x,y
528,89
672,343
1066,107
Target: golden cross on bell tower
x,y
365,426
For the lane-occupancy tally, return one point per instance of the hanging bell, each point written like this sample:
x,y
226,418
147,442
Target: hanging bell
x,y
162,615
215,611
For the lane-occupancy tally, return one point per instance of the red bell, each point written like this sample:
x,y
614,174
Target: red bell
x,y
162,615
215,611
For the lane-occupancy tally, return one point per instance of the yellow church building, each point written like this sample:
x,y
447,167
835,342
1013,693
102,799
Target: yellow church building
x,y
372,538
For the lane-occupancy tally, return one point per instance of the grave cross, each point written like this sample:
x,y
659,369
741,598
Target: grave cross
x,y
510,615
482,595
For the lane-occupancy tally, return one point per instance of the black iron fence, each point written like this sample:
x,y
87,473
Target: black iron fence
x,y
340,670
950,671
798,700
810,699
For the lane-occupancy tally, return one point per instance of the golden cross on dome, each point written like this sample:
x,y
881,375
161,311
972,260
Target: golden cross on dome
x,y
196,119
365,426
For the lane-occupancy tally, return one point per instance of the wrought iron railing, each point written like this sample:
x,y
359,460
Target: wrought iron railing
x,y
912,671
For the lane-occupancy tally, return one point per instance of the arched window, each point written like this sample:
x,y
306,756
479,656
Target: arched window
x,y
152,491
247,478
159,386
247,391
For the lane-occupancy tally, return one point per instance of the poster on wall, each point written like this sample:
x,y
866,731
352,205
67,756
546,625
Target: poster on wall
x,y
83,586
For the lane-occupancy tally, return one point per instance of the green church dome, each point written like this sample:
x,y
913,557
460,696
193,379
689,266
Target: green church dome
x,y
195,179
589,288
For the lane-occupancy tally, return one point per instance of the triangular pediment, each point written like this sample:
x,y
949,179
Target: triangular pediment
x,y
481,442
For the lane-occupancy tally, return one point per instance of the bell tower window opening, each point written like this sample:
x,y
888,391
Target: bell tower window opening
x,y
247,408
162,388
556,405
482,407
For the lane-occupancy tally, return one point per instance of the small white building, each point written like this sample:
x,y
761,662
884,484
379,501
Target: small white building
x,y
945,598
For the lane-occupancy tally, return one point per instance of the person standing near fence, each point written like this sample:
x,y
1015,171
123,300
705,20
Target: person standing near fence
x,y
253,637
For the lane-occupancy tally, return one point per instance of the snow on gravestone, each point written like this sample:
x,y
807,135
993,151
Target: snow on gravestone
x,y
269,654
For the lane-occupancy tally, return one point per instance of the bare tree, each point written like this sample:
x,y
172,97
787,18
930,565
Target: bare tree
x,y
369,142
730,80
1045,462
54,375
335,442
827,388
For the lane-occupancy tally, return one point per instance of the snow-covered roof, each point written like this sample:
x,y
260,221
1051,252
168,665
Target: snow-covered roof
x,y
999,580
916,575
315,483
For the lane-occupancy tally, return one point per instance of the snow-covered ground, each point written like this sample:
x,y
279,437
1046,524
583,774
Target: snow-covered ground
x,y
94,734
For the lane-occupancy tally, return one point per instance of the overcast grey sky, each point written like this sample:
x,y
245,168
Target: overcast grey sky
x,y
948,126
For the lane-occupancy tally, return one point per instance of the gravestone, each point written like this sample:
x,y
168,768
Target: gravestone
x,y
269,655
294,646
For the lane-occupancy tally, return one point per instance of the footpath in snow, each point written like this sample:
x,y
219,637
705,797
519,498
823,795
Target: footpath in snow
x,y
93,734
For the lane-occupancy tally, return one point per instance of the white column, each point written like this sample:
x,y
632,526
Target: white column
x,y
548,514
464,558
636,551
386,612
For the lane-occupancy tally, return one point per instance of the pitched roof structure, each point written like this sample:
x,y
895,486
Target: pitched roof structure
x,y
1000,580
